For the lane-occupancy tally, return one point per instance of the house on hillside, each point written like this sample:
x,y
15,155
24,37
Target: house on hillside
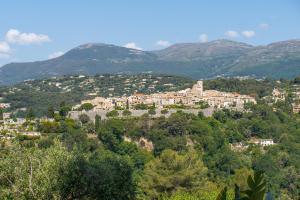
x,y
296,107
262,142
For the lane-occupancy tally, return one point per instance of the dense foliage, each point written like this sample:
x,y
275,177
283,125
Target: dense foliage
x,y
180,157
258,88
42,94
191,159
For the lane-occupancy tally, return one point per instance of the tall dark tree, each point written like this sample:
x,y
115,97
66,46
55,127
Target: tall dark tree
x,y
1,114
127,104
97,122
50,112
30,114
64,109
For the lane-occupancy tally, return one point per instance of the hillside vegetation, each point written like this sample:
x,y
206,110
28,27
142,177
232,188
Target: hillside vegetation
x,y
191,157
39,95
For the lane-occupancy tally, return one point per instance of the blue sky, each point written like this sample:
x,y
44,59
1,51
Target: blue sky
x,y
36,30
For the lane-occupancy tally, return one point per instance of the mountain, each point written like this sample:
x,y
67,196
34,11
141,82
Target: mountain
x,y
202,51
197,60
277,60
87,59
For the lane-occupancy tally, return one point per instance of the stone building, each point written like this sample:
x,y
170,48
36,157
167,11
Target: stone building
x,y
188,97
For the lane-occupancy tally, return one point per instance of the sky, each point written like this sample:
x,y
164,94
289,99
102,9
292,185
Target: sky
x,y
34,30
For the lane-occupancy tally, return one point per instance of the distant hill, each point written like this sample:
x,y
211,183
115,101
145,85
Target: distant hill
x,y
40,94
196,60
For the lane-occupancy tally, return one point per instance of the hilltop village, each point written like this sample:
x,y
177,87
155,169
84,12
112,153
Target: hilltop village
x,y
187,98
190,100
163,97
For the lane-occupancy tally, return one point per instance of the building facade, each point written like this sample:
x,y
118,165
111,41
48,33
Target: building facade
x,y
188,97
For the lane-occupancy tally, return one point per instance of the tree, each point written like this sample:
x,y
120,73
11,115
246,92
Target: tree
x,y
30,114
223,194
104,176
256,189
84,118
56,173
111,132
127,104
201,115
220,116
89,127
172,172
297,80
34,173
86,106
62,104
240,177
210,194
97,122
202,104
141,106
176,124
64,110
49,127
1,114
50,112
153,106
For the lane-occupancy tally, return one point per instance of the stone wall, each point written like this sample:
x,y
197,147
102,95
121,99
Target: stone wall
x,y
137,113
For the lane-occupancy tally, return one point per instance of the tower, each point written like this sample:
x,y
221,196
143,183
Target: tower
x,y
197,89
200,87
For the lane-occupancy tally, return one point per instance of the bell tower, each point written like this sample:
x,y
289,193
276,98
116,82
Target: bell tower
x,y
197,89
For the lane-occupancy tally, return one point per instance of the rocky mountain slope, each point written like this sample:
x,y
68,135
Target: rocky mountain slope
x,y
196,60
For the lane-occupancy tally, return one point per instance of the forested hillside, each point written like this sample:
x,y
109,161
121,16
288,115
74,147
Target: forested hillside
x,y
192,157
39,95
183,156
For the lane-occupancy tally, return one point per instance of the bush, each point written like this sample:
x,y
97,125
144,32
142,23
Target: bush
x,y
126,113
164,111
86,106
83,118
202,104
113,113
141,106
152,112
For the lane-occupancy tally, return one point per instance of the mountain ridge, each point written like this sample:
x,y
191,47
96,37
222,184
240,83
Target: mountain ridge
x,y
197,60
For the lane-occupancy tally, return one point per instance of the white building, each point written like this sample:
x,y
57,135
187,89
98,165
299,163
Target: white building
x,y
262,142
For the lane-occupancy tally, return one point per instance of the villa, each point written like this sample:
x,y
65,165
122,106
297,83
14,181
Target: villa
x,y
262,142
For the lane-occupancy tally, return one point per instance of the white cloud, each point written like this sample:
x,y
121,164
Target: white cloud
x,y
248,34
203,38
4,56
132,45
264,26
55,54
15,36
4,50
163,43
232,34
